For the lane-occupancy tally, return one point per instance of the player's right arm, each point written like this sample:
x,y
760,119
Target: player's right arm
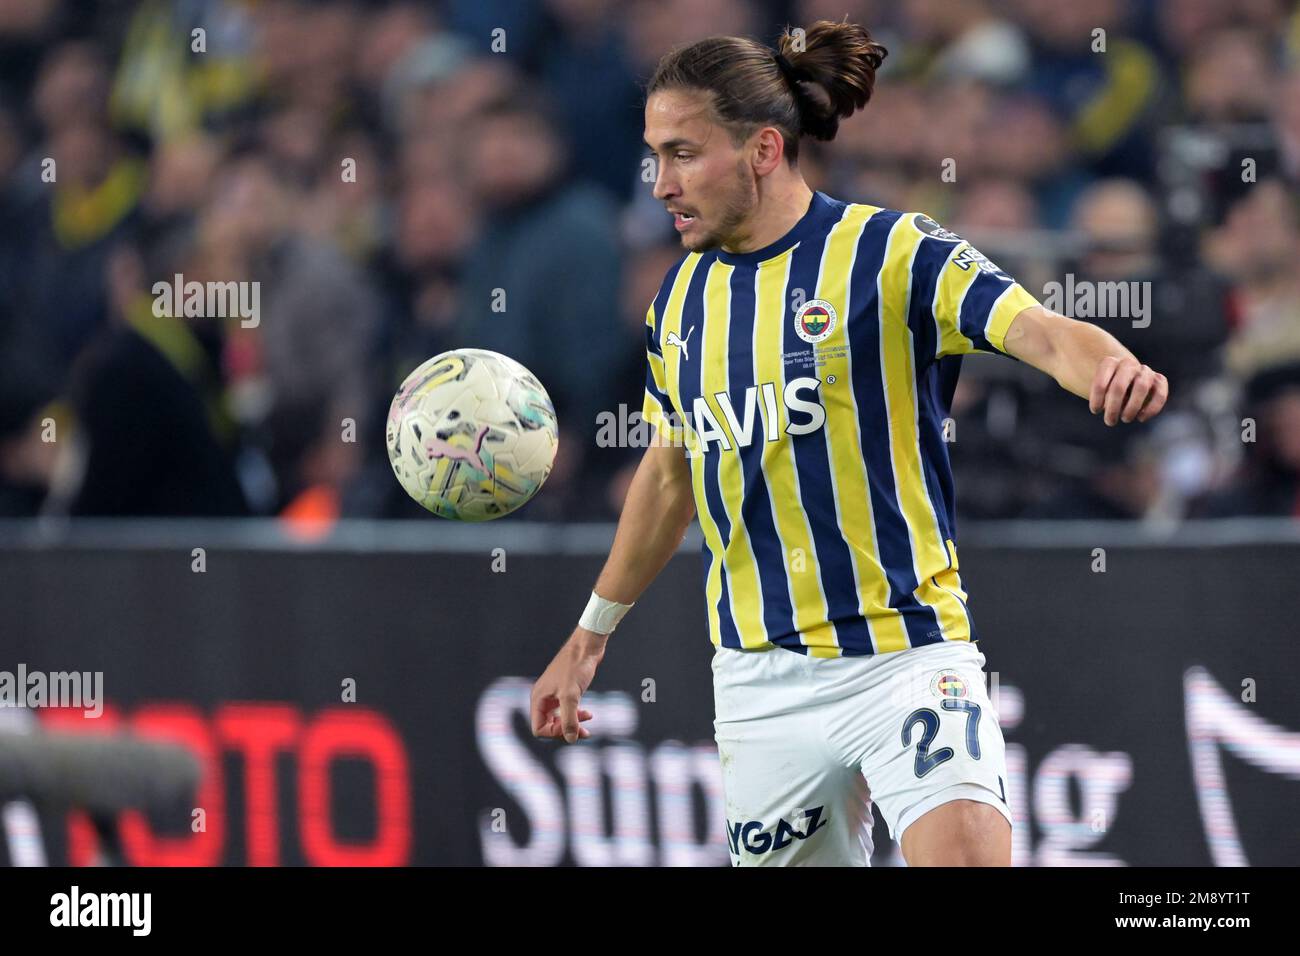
x,y
658,509
659,506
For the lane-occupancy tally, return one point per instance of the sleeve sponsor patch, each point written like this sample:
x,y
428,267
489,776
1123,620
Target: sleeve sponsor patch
x,y
931,228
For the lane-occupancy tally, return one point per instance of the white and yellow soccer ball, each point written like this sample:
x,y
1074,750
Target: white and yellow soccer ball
x,y
471,435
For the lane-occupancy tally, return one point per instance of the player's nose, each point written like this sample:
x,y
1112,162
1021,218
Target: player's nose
x,y
665,188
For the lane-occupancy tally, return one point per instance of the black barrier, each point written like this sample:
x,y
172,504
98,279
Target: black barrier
x,y
365,703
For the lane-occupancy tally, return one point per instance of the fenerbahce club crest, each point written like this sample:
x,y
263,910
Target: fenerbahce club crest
x,y
815,320
948,684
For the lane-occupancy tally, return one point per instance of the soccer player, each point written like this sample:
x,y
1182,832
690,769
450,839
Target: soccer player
x,y
801,361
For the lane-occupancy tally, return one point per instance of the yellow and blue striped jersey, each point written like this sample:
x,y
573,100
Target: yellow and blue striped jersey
x,y
809,382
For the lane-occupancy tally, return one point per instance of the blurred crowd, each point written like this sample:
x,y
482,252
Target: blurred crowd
x,y
406,177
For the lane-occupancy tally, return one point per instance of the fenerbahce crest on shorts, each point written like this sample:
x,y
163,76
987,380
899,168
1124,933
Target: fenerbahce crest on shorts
x,y
815,320
949,684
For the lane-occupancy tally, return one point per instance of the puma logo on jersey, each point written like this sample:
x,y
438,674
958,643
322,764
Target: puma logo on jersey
x,y
672,339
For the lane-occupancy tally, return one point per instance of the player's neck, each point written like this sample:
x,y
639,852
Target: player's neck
x,y
779,209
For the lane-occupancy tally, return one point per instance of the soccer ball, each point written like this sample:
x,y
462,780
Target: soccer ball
x,y
471,435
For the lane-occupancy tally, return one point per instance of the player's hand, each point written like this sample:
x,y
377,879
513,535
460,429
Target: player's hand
x,y
1127,391
553,709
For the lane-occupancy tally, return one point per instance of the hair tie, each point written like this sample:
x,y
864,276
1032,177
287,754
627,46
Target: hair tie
x,y
788,71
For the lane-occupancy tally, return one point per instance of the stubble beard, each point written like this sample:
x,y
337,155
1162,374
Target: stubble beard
x,y
738,204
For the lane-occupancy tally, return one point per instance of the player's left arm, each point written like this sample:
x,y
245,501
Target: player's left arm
x,y
975,306
1088,361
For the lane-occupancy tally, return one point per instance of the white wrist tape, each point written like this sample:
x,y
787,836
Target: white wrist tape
x,y
601,616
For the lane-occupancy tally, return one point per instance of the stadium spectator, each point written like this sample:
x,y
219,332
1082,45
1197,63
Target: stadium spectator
x,y
1255,248
956,41
313,355
1184,328
1105,83
588,72
1232,79
1286,117
82,188
541,282
146,397
28,444
1269,480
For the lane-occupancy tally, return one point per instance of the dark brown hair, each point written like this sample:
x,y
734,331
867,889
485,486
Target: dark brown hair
x,y
805,86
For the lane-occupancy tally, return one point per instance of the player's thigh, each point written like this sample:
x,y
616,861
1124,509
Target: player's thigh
x,y
787,802
942,742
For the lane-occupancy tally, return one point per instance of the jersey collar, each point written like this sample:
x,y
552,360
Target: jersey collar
x,y
820,206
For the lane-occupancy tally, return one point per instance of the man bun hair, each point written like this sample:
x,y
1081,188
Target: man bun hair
x,y
833,75
814,79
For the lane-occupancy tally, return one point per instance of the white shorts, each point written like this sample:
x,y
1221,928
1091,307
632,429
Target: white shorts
x,y
807,744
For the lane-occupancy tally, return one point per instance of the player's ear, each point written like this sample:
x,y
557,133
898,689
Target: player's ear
x,y
768,150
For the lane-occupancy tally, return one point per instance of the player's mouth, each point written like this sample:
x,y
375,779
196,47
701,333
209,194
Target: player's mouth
x,y
682,221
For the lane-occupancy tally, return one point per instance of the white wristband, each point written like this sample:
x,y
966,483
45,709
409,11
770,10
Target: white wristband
x,y
601,616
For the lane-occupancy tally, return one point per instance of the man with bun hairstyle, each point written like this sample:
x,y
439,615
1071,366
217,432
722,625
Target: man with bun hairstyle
x,y
801,359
